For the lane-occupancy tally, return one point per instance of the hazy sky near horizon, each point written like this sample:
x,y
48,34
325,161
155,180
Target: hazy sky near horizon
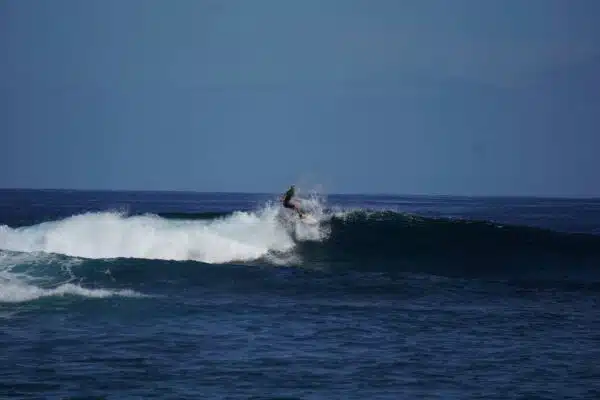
x,y
459,97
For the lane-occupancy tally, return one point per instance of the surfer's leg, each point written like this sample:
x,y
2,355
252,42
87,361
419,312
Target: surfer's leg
x,y
293,206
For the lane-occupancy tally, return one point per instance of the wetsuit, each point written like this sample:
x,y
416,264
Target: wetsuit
x,y
287,204
288,196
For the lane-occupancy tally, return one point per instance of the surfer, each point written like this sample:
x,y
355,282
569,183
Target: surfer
x,y
287,200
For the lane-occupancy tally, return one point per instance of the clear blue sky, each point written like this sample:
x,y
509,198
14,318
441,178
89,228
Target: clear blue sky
x,y
428,97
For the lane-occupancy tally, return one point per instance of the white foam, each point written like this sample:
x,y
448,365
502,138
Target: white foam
x,y
242,236
30,256
22,280
17,292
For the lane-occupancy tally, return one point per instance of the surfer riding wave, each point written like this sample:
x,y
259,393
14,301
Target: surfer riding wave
x,y
288,203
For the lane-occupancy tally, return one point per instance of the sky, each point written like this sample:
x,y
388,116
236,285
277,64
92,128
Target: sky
x,y
461,97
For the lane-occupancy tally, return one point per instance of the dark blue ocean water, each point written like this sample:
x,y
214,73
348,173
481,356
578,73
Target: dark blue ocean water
x,y
222,296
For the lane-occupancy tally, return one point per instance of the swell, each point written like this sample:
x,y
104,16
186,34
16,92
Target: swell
x,y
396,242
360,241
393,241
135,277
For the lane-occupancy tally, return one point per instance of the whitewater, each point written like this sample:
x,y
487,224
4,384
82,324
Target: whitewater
x,y
242,236
268,233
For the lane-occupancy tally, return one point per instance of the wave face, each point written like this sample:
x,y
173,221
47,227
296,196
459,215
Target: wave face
x,y
394,241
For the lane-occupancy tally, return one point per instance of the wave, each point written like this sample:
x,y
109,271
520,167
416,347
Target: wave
x,y
351,239
239,236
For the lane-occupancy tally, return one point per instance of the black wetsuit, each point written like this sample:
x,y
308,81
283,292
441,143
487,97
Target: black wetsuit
x,y
288,196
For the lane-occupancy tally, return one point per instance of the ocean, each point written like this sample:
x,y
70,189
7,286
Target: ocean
x,y
173,295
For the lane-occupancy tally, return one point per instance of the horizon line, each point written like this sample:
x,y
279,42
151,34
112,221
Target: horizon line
x,y
382,194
